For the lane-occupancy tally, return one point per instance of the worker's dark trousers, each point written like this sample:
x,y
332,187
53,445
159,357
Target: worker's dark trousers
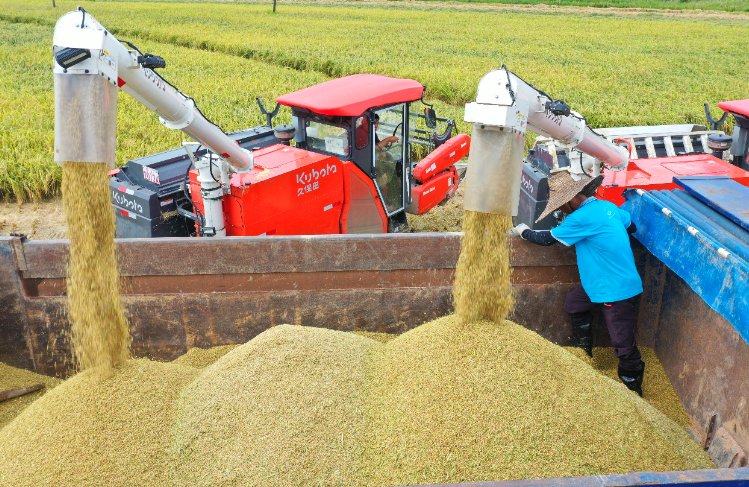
x,y
620,319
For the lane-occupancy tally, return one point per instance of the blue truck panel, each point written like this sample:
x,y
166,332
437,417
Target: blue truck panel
x,y
723,194
699,242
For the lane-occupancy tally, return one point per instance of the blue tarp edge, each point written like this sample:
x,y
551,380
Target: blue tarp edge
x,y
723,283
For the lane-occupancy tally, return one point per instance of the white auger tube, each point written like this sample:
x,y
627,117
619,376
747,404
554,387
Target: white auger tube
x,y
90,64
103,56
505,107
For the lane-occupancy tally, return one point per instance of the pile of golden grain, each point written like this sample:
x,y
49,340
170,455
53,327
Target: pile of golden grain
x,y
444,402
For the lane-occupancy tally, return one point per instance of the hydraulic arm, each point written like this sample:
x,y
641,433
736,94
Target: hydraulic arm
x,y
90,64
505,107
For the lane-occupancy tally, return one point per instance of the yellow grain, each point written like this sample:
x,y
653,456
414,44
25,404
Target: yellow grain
x,y
483,290
99,330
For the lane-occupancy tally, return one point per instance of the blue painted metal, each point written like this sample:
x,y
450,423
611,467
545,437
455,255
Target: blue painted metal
x,y
722,193
698,243
721,477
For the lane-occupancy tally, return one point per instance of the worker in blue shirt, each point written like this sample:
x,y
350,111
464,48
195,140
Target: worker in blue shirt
x,y
599,230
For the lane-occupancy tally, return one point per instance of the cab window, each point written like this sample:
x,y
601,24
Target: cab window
x,y
362,132
332,139
389,156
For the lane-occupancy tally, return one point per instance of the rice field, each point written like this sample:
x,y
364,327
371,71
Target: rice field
x,y
634,69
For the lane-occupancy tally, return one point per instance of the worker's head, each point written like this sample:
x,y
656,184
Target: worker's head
x,y
567,195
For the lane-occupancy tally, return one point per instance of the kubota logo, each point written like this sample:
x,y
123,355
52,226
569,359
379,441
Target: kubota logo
x,y
121,200
305,178
309,181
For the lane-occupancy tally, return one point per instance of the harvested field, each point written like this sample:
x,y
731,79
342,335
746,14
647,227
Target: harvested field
x,y
309,406
44,220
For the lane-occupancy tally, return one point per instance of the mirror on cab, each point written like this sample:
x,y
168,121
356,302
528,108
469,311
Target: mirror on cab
x,y
430,117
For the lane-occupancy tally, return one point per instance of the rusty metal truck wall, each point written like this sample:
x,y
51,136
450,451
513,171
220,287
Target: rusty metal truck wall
x,y
182,293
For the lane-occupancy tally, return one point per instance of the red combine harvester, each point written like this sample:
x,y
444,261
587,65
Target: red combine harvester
x,y
657,155
350,169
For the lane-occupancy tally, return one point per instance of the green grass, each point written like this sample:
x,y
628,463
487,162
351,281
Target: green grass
x,y
616,70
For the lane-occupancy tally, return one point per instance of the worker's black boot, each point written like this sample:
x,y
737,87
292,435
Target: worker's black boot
x,y
583,335
633,378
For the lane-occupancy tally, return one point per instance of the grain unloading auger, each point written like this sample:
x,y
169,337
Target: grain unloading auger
x,y
90,64
505,107
350,169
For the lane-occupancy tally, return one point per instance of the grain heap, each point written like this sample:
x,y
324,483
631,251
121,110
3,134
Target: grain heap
x,y
657,387
444,402
484,401
99,332
96,430
483,289
203,357
13,378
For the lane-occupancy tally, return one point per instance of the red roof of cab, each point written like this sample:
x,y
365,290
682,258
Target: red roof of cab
x,y
739,106
352,95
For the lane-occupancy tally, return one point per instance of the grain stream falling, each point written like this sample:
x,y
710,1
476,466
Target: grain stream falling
x,y
483,287
99,331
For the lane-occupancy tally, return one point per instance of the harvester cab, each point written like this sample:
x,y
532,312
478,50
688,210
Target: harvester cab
x,y
370,121
363,119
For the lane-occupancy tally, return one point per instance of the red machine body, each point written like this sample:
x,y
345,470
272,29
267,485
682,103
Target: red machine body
x,y
443,157
297,192
658,173
436,175
429,194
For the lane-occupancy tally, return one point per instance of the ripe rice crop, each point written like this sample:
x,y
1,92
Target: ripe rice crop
x,y
617,70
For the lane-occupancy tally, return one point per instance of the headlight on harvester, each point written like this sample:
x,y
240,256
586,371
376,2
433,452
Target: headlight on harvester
x,y
70,56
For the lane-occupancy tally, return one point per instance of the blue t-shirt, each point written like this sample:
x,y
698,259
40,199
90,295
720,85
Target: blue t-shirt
x,y
598,230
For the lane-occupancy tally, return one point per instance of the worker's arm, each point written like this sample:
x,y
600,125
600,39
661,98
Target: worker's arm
x,y
538,237
384,141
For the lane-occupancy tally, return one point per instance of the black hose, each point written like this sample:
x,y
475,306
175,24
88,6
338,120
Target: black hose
x,y
195,209
210,161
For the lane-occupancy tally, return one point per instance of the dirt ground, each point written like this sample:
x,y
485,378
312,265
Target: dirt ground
x,y
46,220
39,221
